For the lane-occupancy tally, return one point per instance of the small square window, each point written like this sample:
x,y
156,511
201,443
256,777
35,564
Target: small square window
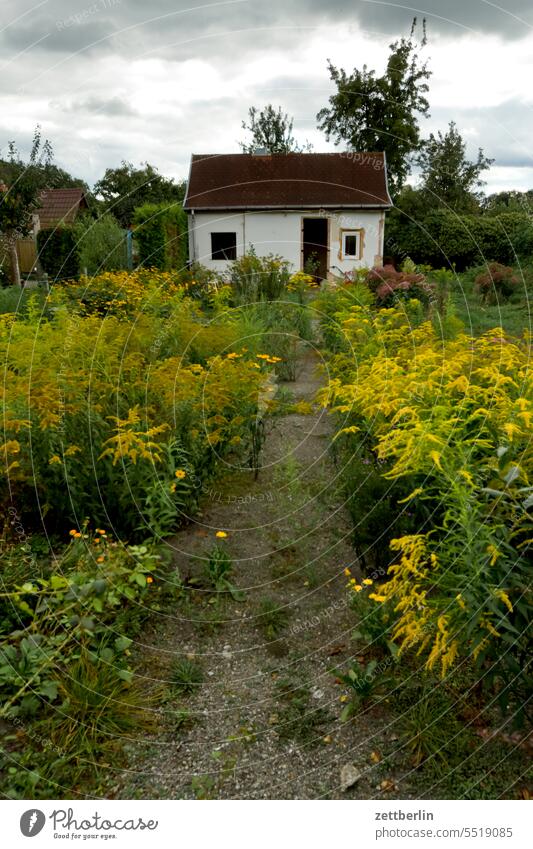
x,y
223,246
350,244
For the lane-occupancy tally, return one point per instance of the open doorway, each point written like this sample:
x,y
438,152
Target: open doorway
x,y
315,246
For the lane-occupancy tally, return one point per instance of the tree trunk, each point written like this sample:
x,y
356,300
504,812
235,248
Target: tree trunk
x,y
15,269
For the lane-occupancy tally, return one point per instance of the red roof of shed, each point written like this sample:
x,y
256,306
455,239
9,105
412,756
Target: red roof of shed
x,y
287,181
60,206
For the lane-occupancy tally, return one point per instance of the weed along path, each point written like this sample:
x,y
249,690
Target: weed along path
x,y
251,707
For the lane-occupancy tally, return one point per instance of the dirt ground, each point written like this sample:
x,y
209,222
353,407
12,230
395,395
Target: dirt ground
x,y
264,723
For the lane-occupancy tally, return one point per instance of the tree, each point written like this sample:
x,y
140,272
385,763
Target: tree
x,y
271,129
123,189
370,113
101,244
447,176
22,196
511,200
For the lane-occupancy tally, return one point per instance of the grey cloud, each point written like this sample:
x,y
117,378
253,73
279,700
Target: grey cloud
x,y
52,36
214,29
111,106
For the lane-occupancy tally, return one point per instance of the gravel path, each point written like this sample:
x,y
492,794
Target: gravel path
x,y
264,722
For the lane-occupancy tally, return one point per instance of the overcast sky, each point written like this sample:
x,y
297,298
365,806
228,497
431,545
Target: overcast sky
x,y
130,79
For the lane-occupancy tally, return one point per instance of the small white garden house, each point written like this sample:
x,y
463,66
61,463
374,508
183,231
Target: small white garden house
x,y
328,206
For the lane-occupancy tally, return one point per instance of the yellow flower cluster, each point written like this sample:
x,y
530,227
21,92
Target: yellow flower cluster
x,y
447,412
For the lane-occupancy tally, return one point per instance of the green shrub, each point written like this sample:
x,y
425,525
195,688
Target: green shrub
x,y
101,244
58,252
443,238
161,235
255,278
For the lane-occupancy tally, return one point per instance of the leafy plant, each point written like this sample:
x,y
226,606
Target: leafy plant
x,y
58,252
186,676
218,569
298,717
366,684
272,618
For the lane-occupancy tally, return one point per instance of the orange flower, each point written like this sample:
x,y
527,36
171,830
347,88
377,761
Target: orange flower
x,y
149,580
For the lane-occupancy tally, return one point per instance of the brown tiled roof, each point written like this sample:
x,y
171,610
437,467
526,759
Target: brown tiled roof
x,y
287,181
60,206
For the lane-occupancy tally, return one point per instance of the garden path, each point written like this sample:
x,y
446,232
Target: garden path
x,y
264,723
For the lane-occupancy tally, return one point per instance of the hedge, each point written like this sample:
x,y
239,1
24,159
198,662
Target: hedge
x,y
161,235
58,252
442,237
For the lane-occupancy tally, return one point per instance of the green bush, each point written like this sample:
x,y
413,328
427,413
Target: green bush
x,y
255,278
58,252
161,235
101,244
443,238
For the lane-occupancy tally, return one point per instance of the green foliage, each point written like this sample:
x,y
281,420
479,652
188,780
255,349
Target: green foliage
x,y
366,683
96,711
373,502
72,441
161,235
101,244
272,618
299,718
186,676
428,727
121,190
271,129
447,177
255,278
58,252
440,237
218,568
50,618
368,112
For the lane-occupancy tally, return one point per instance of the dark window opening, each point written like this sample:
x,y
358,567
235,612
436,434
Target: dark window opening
x,y
223,246
350,245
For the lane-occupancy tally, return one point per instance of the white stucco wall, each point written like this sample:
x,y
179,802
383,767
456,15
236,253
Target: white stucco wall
x,y
281,233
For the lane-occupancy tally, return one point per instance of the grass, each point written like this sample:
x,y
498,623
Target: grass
x,y
272,618
185,676
513,315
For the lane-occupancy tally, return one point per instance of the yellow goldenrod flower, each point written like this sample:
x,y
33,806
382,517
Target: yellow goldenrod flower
x,y
493,551
377,597
221,534
357,588
347,572
367,582
502,595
